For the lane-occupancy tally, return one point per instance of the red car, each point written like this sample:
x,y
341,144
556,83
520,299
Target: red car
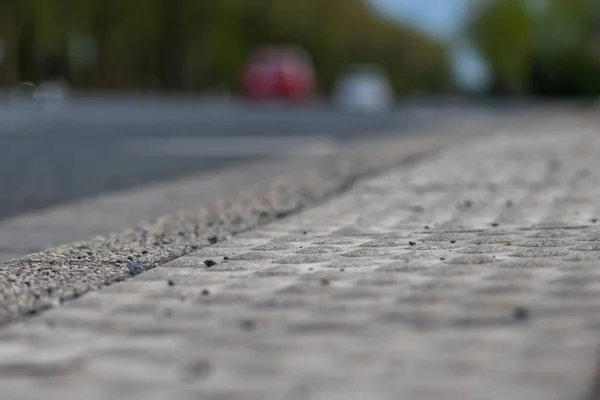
x,y
283,73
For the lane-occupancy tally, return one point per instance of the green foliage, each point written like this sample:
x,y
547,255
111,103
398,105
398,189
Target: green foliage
x,y
541,50
199,44
503,32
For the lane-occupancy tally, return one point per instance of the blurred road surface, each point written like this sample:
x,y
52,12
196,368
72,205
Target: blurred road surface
x,y
101,144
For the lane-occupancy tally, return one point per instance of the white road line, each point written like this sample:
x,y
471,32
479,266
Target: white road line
x,y
228,146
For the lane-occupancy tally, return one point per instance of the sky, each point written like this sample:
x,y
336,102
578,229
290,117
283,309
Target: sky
x,y
443,19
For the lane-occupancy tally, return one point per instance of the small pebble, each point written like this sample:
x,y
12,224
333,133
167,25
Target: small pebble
x,y
248,325
495,224
520,313
325,282
209,263
135,267
453,241
205,292
412,243
226,258
213,239
170,283
342,269
594,220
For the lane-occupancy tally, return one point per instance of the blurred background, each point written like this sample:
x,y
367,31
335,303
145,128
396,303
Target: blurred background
x,y
103,95
500,47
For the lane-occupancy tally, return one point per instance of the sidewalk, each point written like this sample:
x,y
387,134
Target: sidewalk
x,y
469,274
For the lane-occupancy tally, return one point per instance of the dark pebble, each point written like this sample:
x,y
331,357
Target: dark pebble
x,y
594,220
130,258
495,224
426,227
226,258
248,325
199,369
304,233
325,282
209,263
213,239
205,292
342,269
89,253
442,258
520,313
453,241
145,252
283,214
170,283
412,243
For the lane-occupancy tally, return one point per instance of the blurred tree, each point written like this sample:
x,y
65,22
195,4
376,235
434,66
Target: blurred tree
x,y
192,44
503,32
562,63
540,48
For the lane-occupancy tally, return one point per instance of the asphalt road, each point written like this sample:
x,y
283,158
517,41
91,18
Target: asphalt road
x,y
96,145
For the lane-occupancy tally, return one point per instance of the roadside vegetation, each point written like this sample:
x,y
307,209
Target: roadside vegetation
x,y
203,45
543,48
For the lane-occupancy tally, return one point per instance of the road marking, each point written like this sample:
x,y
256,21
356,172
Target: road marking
x,y
229,146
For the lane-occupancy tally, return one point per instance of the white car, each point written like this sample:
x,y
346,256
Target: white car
x,y
51,95
364,88
48,95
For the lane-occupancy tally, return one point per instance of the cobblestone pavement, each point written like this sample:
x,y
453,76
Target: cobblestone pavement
x,y
469,275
